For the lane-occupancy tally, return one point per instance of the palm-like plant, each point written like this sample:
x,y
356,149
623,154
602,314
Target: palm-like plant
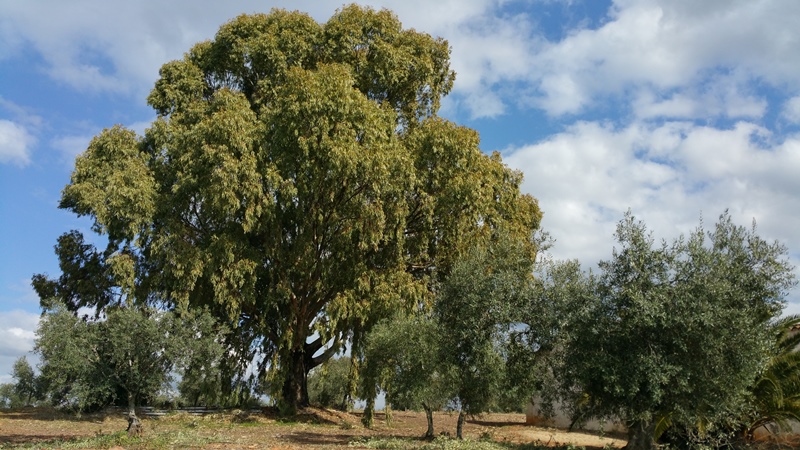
x,y
776,393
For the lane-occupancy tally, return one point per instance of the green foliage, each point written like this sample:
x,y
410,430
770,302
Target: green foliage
x,y
199,361
677,330
9,397
537,332
296,183
26,384
329,384
776,392
72,372
84,281
475,309
126,358
402,359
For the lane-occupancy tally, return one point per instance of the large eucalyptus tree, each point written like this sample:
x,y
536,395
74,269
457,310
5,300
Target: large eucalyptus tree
x,y
297,182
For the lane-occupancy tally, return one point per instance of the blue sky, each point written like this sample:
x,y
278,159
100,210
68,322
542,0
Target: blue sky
x,y
675,109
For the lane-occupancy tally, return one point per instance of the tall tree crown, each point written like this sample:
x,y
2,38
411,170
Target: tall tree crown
x,y
297,180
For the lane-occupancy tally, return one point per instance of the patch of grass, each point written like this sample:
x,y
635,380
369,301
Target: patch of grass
x,y
99,441
384,443
155,441
447,443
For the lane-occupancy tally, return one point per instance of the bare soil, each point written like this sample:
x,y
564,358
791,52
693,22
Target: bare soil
x,y
313,428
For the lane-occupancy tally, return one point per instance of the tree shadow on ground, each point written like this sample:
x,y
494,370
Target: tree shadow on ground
x,y
477,420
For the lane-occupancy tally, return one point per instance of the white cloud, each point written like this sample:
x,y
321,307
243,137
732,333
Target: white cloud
x,y
17,334
791,110
71,146
725,98
15,143
669,175
98,46
668,46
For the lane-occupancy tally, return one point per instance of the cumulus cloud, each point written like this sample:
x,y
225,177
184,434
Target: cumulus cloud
x,y
670,48
791,110
17,334
97,46
71,146
664,47
721,96
669,175
15,143
120,47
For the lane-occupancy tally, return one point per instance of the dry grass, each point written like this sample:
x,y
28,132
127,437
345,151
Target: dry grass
x,y
313,428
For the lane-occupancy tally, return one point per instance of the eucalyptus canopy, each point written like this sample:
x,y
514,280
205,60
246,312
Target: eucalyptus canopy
x,y
297,182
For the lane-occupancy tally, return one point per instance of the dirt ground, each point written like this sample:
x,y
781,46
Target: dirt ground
x,y
315,428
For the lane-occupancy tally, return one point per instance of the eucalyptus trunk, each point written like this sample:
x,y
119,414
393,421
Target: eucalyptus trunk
x,y
295,386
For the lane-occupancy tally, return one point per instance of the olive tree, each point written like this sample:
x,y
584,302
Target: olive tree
x,y
297,182
126,356
92,363
329,384
475,309
403,359
676,331
26,383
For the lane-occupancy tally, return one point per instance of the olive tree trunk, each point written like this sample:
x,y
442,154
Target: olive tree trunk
x,y
460,424
134,424
429,415
641,436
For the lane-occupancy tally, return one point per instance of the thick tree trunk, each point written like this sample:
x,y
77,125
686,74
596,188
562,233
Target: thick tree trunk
x,y
301,360
134,424
295,386
429,415
460,424
640,436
